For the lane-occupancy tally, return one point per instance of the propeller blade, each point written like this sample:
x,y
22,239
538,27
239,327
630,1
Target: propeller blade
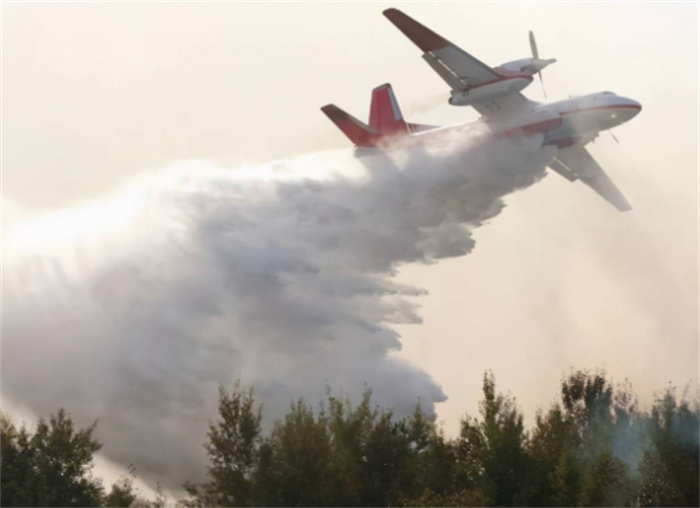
x,y
533,46
542,83
613,135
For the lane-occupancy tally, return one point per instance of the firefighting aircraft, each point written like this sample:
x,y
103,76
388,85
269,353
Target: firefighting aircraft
x,y
567,125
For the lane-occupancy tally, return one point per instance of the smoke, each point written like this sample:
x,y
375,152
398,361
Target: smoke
x,y
133,309
427,104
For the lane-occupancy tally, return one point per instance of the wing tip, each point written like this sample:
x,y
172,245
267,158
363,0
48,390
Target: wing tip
x,y
422,36
625,208
329,109
391,12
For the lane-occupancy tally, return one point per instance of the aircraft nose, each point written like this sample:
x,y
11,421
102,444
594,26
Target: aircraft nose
x,y
634,106
631,109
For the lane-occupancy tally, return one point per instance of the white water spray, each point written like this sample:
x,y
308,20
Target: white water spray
x,y
133,309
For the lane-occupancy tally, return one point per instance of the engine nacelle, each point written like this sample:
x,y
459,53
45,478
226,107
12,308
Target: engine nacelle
x,y
529,66
496,89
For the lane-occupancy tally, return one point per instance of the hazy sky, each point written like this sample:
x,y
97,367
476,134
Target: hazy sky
x,y
94,94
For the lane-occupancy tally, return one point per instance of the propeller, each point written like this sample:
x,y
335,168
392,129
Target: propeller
x,y
533,46
541,64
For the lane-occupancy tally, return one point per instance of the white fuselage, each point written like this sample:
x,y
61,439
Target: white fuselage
x,y
575,121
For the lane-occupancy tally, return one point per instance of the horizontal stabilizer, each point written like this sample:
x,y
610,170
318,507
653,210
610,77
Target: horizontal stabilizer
x,y
386,122
419,127
358,132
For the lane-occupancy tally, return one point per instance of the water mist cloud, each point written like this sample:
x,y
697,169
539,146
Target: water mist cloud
x,y
133,309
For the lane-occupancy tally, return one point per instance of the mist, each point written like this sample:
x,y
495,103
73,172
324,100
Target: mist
x,y
134,308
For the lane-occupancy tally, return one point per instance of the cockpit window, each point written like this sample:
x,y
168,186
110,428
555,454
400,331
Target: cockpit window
x,y
607,93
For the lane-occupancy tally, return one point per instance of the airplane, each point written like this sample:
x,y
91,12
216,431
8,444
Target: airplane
x,y
568,125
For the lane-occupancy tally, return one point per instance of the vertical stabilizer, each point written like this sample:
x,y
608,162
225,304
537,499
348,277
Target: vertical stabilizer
x,y
386,122
384,114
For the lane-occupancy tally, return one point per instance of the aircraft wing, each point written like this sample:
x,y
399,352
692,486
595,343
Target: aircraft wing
x,y
456,67
579,162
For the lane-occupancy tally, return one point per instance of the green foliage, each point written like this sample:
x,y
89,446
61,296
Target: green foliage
x,y
16,465
233,450
592,448
385,466
491,452
123,493
607,476
550,481
464,497
669,469
52,467
585,449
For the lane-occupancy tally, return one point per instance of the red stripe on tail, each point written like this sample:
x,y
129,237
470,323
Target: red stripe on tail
x,y
385,120
384,113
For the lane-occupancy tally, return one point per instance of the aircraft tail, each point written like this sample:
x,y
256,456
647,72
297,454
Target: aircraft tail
x,y
385,115
384,112
385,120
356,131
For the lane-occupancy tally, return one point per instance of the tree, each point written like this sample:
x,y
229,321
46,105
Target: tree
x,y
16,464
582,449
605,481
301,454
406,460
349,428
123,493
437,465
549,481
52,467
491,453
387,450
233,449
669,469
